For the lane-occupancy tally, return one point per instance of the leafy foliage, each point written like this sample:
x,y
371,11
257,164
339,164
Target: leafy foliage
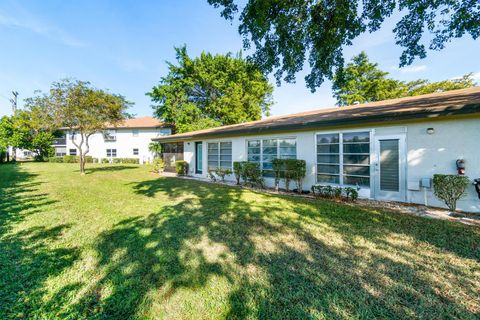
x,y
362,81
210,91
288,33
249,172
237,170
289,169
450,188
156,149
158,165
327,191
81,108
181,167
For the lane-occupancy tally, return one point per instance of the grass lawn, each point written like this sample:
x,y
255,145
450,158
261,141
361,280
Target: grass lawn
x,y
123,243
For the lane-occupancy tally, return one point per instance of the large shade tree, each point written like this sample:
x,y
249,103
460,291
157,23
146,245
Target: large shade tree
x,y
362,81
82,109
286,33
210,91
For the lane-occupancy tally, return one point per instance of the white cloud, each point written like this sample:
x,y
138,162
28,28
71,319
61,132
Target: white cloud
x,y
413,69
28,22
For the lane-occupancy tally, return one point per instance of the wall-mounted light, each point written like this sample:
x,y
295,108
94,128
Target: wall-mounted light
x,y
430,130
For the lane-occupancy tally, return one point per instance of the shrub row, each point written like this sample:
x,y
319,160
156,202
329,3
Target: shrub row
x,y
158,165
289,169
348,193
221,173
90,159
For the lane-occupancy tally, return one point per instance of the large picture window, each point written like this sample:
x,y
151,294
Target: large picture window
x,y
264,151
344,158
219,155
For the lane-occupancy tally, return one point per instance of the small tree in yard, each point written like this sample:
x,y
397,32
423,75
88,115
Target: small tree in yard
x,y
450,188
83,109
156,149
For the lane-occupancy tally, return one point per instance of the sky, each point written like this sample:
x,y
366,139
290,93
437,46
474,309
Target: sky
x,y
123,46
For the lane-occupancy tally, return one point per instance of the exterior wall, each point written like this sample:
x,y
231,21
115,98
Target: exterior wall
x,y
425,154
124,144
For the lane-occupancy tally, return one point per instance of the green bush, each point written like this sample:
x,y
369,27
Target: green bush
x,y
349,193
3,155
222,173
70,159
105,160
450,188
211,175
56,159
253,174
125,160
237,170
181,167
289,169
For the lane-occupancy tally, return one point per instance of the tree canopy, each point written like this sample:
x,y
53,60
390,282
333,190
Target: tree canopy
x,y
362,81
81,108
287,33
210,91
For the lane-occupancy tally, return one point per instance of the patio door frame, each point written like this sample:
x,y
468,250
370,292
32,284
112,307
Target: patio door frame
x,y
197,160
402,167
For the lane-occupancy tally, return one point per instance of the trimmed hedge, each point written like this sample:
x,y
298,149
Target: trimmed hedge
x,y
76,159
450,188
327,191
181,167
249,172
288,170
126,160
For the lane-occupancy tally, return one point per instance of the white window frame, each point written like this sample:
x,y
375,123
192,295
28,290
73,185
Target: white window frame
x,y
138,151
278,147
218,142
70,151
340,154
111,153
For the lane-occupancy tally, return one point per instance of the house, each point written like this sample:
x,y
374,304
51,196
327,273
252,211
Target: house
x,y
390,149
129,139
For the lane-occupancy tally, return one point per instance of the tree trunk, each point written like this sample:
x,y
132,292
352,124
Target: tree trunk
x,y
14,154
82,164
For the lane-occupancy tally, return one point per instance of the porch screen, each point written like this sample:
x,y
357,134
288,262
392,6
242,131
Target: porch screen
x,y
344,158
219,155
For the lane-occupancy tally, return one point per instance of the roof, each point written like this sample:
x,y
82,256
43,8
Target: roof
x,y
143,122
455,102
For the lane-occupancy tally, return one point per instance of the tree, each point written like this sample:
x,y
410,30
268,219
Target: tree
x,y
285,33
82,109
5,133
156,149
362,81
210,91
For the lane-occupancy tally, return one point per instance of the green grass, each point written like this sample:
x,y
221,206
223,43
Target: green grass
x,y
122,243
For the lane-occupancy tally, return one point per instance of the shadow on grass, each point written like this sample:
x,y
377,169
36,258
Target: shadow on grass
x,y
27,258
109,168
275,259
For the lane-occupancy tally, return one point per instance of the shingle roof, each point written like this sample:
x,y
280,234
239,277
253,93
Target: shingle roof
x,y
143,122
463,101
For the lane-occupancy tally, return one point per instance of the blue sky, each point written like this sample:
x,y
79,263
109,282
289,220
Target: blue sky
x,y
123,45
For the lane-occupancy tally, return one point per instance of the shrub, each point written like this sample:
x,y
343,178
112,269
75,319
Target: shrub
x,y
126,160
56,159
222,173
328,191
70,159
278,166
299,172
237,170
450,188
252,174
3,155
211,175
158,165
181,167
105,160
351,193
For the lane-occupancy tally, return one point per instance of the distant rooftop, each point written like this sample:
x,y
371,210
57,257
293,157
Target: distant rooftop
x,y
143,122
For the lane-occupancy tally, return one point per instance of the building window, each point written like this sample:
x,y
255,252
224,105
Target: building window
x,y
164,132
264,151
72,152
220,155
344,158
110,135
135,152
111,153
135,133
60,152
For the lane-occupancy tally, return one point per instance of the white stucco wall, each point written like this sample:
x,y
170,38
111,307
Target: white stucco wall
x,y
425,154
125,143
